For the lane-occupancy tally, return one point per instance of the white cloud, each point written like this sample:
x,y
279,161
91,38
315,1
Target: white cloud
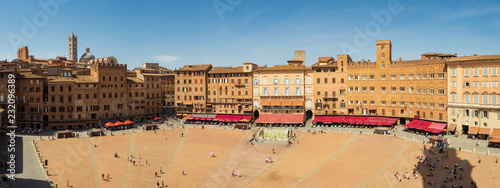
x,y
165,58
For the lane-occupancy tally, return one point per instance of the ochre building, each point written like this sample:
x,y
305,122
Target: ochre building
x,y
405,89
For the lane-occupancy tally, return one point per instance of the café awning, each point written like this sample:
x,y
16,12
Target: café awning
x,y
495,133
424,125
265,102
473,130
276,103
287,103
452,127
268,118
298,103
484,131
413,124
292,118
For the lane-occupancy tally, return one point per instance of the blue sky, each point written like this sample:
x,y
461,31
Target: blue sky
x,y
232,32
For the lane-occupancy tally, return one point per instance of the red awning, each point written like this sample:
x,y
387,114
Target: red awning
x,y
292,118
330,119
157,118
360,120
351,119
372,120
319,119
424,125
247,117
268,118
438,126
391,121
413,124
338,119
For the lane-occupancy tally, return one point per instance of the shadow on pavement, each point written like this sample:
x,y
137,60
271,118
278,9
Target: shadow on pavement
x,y
443,167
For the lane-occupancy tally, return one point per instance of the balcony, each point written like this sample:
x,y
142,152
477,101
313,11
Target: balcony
x,y
239,85
282,97
281,111
330,97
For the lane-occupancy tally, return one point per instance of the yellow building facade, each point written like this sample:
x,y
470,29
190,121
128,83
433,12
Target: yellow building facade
x,y
473,94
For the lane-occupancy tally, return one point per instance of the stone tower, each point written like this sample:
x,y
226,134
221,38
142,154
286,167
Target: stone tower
x,y
384,50
73,47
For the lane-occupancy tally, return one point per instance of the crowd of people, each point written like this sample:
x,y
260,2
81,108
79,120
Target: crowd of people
x,y
436,160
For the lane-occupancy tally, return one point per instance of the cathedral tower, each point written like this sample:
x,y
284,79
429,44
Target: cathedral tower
x,y
72,48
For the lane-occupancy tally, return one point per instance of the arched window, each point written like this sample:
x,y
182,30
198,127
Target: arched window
x,y
297,80
287,91
255,81
276,92
276,81
287,81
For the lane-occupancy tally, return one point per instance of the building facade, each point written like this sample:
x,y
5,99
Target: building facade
x,y
191,89
284,89
473,94
61,95
405,89
230,90
329,85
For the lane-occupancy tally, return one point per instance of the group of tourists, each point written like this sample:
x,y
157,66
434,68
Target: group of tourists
x,y
435,160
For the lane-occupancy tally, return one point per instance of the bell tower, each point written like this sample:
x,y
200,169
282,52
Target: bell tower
x,y
72,47
384,49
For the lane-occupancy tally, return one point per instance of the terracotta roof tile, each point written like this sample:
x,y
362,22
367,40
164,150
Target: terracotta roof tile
x,y
238,69
195,67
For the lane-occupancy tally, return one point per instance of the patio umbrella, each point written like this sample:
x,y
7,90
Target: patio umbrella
x,y
128,122
109,124
118,123
157,118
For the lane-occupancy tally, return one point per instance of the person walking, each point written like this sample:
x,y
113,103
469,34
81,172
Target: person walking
x,y
239,174
232,174
67,183
183,172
